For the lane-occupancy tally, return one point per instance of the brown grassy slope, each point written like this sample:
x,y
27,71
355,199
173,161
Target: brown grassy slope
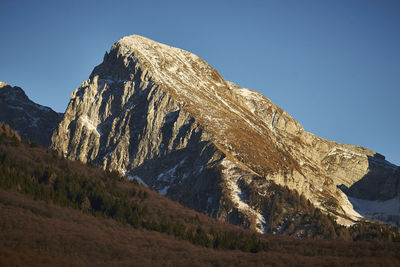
x,y
33,233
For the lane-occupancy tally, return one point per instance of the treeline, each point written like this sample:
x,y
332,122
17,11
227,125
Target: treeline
x,y
36,171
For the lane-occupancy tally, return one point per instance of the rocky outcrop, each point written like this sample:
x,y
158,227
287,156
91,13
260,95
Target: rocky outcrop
x,y
165,117
32,121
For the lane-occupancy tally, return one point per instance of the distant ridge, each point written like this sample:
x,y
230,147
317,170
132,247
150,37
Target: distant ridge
x,y
32,121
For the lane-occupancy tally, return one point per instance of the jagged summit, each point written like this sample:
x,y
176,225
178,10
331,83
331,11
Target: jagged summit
x,y
167,64
164,116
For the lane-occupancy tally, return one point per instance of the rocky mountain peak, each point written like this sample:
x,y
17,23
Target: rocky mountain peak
x,y
12,92
162,115
32,121
165,63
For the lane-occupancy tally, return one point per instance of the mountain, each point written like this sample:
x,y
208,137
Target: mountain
x,y
32,121
162,115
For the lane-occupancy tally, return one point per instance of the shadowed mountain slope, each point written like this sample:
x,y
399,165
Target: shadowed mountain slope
x,y
32,121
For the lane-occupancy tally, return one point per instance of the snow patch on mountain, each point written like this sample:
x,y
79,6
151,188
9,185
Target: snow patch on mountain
x,y
90,125
232,177
164,190
166,176
385,211
346,153
137,178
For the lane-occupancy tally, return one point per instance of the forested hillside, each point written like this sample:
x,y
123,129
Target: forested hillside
x,y
113,219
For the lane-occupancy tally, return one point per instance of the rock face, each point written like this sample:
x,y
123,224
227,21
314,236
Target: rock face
x,y
162,115
32,121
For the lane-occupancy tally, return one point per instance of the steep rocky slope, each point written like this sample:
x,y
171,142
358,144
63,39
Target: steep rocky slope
x,y
164,116
32,121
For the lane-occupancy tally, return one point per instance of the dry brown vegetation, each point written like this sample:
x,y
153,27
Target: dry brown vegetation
x,y
40,224
34,233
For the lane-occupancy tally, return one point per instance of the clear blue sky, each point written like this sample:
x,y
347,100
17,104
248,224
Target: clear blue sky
x,y
334,65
